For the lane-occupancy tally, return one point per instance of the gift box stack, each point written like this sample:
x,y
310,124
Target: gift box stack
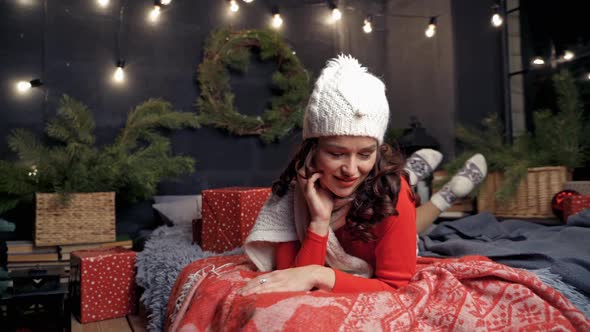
x,y
102,283
228,216
574,204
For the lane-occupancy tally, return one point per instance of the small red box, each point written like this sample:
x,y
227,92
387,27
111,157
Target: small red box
x,y
574,204
102,283
228,216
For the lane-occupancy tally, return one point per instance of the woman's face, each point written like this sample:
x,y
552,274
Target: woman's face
x,y
345,162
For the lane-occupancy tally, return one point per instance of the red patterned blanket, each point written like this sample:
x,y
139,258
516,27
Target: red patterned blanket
x,y
468,294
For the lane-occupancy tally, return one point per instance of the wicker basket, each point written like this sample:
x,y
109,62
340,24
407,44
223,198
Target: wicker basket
x,y
533,195
85,218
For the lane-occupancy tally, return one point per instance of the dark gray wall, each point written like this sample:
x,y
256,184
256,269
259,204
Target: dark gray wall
x,y
421,70
478,61
438,80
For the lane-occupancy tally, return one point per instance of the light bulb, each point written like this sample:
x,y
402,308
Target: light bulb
x,y
430,31
568,55
233,6
538,61
497,20
367,28
119,75
165,2
336,14
103,3
588,76
23,86
155,13
277,21
248,1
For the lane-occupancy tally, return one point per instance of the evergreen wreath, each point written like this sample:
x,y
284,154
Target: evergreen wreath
x,y
227,49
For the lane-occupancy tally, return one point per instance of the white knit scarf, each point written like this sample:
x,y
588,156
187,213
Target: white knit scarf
x,y
285,219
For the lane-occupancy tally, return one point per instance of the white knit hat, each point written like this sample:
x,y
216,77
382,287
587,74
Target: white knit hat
x,y
346,100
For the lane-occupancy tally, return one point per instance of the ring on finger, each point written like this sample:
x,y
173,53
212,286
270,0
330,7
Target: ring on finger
x,y
263,281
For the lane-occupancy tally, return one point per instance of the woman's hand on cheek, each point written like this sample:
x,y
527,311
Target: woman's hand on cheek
x,y
320,201
296,279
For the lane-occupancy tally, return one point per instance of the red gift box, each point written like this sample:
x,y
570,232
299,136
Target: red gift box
x,y
575,204
102,283
228,216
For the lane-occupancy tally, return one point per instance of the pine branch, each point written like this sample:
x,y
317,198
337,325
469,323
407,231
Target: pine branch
x,y
26,145
74,123
152,114
558,139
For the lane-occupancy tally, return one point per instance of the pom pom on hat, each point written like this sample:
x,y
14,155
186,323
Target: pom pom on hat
x,y
346,101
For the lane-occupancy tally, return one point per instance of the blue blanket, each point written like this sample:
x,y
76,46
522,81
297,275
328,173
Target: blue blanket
x,y
565,249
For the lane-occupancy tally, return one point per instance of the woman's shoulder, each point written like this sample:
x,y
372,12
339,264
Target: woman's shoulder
x,y
406,209
406,194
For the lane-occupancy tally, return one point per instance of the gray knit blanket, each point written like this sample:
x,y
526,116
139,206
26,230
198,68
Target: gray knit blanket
x,y
167,251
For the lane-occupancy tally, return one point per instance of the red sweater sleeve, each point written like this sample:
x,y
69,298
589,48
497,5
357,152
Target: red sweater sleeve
x,y
395,252
313,251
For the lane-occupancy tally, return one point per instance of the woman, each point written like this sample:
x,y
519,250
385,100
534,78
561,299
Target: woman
x,y
342,216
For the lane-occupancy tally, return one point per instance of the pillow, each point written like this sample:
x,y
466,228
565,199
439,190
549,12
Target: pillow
x,y
172,198
179,211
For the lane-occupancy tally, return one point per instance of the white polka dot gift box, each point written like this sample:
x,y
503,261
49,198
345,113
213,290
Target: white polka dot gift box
x,y
102,283
228,216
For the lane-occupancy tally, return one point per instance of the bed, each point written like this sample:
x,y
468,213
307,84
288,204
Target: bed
x,y
476,273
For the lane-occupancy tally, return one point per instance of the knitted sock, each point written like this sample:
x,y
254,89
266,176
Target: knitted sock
x,y
473,173
421,164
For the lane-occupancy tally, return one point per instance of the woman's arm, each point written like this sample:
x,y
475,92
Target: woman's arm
x,y
291,254
395,256
395,264
296,279
313,248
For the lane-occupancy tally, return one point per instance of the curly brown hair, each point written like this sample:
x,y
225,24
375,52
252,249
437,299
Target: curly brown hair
x,y
374,200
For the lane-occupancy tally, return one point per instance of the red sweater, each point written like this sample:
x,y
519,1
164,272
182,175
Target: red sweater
x,y
392,255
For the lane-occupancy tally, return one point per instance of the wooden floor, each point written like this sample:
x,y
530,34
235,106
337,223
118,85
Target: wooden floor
x,y
134,323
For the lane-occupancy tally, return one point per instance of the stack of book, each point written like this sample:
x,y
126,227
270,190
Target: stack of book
x,y
24,255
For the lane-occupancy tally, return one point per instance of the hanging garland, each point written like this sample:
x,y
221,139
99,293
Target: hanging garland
x,y
227,49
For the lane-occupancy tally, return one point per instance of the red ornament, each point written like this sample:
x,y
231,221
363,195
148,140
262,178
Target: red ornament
x,y
557,202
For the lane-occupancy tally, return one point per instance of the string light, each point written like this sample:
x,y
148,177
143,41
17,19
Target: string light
x,y
277,20
119,75
538,61
431,29
497,19
33,171
336,13
103,3
233,6
568,55
24,86
155,13
367,26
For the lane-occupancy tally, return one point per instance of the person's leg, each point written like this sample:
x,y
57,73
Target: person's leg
x,y
473,173
426,214
421,164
